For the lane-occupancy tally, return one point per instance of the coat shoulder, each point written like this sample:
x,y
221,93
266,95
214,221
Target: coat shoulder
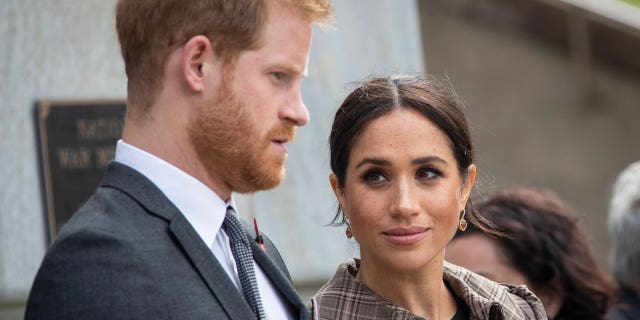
x,y
490,300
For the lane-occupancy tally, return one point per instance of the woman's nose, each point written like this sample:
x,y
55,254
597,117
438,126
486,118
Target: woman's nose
x,y
405,201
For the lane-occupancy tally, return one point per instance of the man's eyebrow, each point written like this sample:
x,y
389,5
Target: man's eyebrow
x,y
290,67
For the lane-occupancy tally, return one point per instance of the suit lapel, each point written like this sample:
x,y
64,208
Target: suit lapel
x,y
211,270
153,200
280,281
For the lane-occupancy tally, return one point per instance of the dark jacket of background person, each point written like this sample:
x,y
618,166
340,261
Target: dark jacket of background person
x,y
544,243
624,230
488,300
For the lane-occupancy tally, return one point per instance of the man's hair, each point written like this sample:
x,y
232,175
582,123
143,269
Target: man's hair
x,y
149,30
624,226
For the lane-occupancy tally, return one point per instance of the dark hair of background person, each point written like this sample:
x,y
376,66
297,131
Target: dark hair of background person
x,y
149,30
379,96
544,242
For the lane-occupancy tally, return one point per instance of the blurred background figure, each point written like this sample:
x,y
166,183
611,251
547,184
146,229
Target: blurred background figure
x,y
543,248
624,230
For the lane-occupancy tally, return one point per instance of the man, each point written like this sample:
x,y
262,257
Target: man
x,y
213,97
624,230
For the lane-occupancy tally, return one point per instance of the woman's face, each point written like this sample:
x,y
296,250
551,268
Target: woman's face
x,y
403,192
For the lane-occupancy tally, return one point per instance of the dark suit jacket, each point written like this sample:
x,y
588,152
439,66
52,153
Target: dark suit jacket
x,y
128,253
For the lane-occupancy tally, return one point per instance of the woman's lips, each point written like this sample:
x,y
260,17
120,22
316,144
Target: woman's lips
x,y
405,236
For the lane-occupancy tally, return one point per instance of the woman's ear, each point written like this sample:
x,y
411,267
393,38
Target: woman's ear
x,y
467,185
337,190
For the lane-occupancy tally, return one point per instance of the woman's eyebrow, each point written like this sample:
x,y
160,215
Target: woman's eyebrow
x,y
379,162
387,163
428,159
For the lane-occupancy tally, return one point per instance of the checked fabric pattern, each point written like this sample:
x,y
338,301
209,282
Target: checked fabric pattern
x,y
241,249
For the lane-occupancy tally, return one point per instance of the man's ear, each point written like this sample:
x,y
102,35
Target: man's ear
x,y
197,53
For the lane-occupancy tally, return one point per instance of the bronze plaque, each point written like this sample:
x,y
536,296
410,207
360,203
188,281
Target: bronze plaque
x,y
77,140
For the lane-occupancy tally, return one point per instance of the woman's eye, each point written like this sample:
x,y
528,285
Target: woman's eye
x,y
428,173
374,177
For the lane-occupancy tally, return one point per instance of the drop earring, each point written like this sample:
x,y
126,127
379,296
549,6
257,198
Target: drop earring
x,y
462,226
348,232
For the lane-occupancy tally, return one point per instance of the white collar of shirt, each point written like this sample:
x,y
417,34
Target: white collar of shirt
x,y
203,208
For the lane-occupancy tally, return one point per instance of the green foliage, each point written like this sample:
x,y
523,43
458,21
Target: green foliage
x,y
633,2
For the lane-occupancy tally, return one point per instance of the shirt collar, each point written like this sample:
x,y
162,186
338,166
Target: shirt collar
x,y
202,207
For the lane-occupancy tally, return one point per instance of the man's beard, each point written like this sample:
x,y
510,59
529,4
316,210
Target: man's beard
x,y
227,143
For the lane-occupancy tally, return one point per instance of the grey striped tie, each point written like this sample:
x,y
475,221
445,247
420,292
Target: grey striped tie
x,y
241,250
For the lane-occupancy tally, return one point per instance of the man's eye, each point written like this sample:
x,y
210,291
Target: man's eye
x,y
279,76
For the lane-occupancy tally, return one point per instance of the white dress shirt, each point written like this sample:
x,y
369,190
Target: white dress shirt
x,y
205,211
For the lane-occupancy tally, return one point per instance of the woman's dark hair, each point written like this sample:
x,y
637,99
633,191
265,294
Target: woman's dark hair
x,y
543,242
379,96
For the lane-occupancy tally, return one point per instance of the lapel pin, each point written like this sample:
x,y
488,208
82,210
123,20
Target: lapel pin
x,y
258,235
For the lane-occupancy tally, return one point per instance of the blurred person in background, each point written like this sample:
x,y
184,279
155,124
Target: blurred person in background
x,y
543,248
624,229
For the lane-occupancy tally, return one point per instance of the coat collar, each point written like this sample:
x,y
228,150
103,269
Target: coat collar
x,y
485,299
489,300
143,191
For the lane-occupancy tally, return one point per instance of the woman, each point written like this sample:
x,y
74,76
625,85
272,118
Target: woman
x,y
402,163
545,250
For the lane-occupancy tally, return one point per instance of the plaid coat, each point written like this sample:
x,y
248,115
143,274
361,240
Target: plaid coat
x,y
344,297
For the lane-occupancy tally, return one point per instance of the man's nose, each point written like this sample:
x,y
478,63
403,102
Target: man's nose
x,y
295,111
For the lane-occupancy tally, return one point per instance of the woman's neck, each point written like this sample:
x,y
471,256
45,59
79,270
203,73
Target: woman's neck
x,y
422,291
